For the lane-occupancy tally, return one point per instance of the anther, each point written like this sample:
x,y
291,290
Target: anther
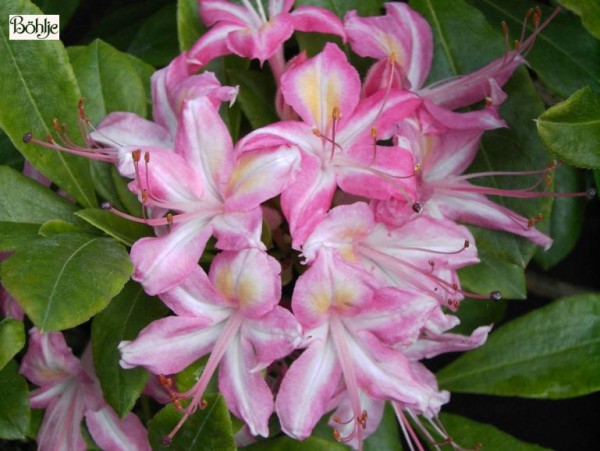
x,y
317,132
147,157
504,26
27,137
374,132
467,244
106,206
203,404
165,440
136,155
496,296
55,125
417,207
336,113
169,219
81,109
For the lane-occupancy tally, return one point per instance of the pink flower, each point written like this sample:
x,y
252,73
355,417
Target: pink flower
x,y
232,314
350,328
443,191
402,41
254,33
422,254
338,138
207,190
70,392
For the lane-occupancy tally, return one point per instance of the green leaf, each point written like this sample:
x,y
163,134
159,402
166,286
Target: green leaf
x,y
108,80
256,96
55,226
463,40
565,57
571,129
289,444
14,403
588,10
30,100
189,26
552,352
121,229
128,313
341,7
63,280
156,40
468,434
477,312
24,200
16,234
12,337
566,220
208,429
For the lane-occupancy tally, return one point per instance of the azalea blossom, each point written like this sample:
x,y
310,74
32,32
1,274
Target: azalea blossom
x,y
337,136
402,41
421,254
443,191
251,32
231,313
350,327
70,392
204,188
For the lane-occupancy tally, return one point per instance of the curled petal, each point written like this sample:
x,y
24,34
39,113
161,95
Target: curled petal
x,y
163,262
261,43
122,129
170,344
319,20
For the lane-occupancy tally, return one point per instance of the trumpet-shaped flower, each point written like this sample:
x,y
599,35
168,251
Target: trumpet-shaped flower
x,y
402,41
350,327
232,314
251,32
421,254
443,191
70,392
204,190
338,137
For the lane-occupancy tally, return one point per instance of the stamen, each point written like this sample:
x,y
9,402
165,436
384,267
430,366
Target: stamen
x,y
417,207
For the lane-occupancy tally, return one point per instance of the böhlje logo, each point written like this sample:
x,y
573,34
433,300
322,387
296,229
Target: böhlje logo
x,y
28,27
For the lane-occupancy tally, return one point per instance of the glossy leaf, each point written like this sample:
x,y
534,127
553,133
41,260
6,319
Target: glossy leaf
x,y
16,234
63,280
256,96
128,313
123,230
469,434
156,40
289,444
566,220
571,129
340,7
30,100
108,80
24,200
189,26
565,57
552,352
588,10
12,337
55,226
208,429
463,40
14,403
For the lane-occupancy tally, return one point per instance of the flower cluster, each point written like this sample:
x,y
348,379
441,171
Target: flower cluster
x,y
364,179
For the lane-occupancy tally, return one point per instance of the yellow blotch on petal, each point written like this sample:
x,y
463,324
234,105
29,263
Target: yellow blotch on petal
x,y
247,291
224,283
320,99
